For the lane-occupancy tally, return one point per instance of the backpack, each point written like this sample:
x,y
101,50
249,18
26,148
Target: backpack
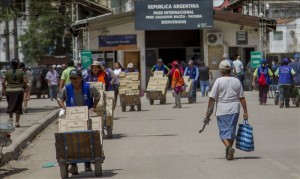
x,y
263,77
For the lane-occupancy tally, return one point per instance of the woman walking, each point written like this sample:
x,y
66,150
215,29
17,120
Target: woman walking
x,y
228,92
13,84
26,97
97,74
177,84
118,69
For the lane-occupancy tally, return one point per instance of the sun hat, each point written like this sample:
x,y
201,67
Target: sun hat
x,y
130,65
225,64
96,63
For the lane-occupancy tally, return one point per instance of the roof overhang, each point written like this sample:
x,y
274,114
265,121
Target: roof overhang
x,y
93,6
223,16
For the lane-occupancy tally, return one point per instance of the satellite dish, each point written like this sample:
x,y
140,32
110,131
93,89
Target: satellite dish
x,y
212,38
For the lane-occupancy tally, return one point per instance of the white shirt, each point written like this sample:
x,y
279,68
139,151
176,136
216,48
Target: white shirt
x,y
117,73
227,91
238,65
52,77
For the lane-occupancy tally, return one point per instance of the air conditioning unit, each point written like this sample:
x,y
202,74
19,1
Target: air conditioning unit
x,y
215,38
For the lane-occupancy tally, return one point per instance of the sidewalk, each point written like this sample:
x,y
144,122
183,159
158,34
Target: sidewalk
x,y
41,112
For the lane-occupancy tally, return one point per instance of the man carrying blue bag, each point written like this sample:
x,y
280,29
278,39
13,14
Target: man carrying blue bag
x,y
228,94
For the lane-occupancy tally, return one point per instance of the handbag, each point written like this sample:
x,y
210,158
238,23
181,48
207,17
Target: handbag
x,y
245,140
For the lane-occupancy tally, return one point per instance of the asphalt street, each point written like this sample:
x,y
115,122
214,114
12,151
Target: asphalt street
x,y
161,142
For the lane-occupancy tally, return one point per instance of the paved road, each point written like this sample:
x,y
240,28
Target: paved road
x,y
161,142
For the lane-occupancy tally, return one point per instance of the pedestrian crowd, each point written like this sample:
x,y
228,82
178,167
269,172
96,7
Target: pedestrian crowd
x,y
69,86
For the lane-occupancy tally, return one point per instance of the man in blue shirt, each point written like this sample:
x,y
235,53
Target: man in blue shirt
x,y
285,74
160,66
192,71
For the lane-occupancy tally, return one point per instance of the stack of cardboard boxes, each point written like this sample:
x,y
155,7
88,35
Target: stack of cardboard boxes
x,y
188,83
157,83
78,119
101,88
129,83
109,107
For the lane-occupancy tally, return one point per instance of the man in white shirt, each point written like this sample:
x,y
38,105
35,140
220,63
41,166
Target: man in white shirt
x,y
239,69
53,78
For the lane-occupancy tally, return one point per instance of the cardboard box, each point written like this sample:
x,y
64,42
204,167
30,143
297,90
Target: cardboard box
x,y
109,95
67,125
96,123
158,73
122,75
77,112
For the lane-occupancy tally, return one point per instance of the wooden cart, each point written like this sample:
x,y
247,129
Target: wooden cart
x,y
187,94
156,95
130,100
79,147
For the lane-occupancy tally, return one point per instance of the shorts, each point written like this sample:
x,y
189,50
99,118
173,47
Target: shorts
x,y
227,126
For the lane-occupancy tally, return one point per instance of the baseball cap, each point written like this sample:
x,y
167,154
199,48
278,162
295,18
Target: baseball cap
x,y
263,61
159,60
191,62
174,63
130,65
102,63
58,66
285,60
53,66
75,73
224,65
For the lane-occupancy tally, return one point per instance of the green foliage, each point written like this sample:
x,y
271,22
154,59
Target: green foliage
x,y
45,32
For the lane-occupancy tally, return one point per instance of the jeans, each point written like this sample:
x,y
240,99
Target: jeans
x,y
241,77
204,86
177,98
53,91
263,93
284,94
194,91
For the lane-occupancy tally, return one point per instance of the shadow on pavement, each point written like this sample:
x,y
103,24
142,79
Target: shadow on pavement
x,y
249,157
115,136
36,110
106,173
10,172
162,135
164,119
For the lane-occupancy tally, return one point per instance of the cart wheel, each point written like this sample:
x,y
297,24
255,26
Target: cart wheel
x,y
190,100
98,168
276,99
298,101
123,108
163,101
151,101
64,170
139,107
109,132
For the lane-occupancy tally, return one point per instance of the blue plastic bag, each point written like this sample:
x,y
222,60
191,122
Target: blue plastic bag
x,y
245,140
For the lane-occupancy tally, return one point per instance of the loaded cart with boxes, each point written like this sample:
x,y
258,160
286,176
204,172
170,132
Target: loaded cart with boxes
x,y
188,88
79,140
129,90
157,88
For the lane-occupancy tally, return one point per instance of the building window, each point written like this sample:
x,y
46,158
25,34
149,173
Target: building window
x,y
278,35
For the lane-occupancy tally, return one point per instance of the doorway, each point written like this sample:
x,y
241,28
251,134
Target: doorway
x,y
170,54
132,57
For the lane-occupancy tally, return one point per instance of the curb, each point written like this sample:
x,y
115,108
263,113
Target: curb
x,y
13,151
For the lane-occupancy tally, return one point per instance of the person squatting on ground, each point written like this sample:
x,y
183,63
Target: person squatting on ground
x,y
228,92
26,96
78,93
285,74
13,87
204,74
177,84
130,68
263,76
53,79
160,66
192,71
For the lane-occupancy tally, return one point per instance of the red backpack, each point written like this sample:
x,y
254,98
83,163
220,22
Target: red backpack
x,y
262,79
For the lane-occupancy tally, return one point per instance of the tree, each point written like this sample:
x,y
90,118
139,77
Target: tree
x,y
45,33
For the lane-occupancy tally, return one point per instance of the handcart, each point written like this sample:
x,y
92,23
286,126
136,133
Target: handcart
x,y
187,93
157,95
294,95
130,100
79,147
